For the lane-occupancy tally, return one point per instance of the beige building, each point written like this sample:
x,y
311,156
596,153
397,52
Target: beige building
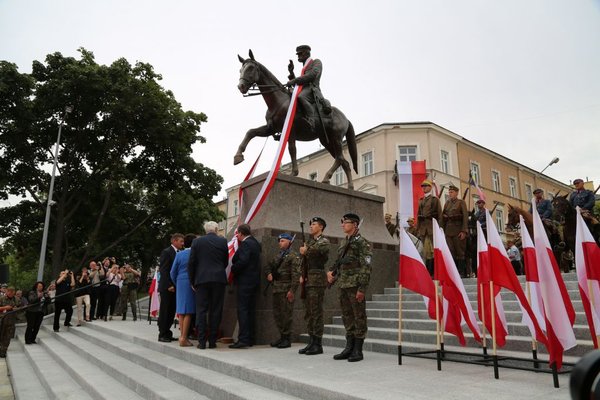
x,y
449,158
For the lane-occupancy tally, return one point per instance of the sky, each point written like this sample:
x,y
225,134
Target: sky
x,y
520,77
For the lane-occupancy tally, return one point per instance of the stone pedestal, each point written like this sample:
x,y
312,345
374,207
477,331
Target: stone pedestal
x,y
281,213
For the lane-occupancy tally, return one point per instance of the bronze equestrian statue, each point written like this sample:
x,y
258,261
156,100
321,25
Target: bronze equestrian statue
x,y
314,119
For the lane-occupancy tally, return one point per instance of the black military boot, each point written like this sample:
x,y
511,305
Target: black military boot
x,y
429,265
310,342
134,314
357,354
276,343
124,316
347,350
285,342
316,347
462,268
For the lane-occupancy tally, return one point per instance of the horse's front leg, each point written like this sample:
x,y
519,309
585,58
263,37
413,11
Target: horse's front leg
x,y
292,151
261,131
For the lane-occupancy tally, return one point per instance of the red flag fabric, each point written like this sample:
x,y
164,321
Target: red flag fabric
x,y
410,176
154,297
412,273
484,304
587,264
504,275
560,314
458,307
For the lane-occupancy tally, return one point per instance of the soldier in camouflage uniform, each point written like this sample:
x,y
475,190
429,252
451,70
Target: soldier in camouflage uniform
x,y
129,291
8,302
454,222
353,275
284,273
315,253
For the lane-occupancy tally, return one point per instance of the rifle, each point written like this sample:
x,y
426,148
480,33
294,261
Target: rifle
x,y
494,209
336,265
303,265
274,272
465,192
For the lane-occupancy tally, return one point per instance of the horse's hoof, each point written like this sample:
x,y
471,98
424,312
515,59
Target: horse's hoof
x,y
295,173
238,158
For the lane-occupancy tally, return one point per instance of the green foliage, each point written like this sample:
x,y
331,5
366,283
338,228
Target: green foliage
x,y
126,178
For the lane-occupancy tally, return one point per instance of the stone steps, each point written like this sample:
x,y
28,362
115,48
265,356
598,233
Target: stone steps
x,y
26,385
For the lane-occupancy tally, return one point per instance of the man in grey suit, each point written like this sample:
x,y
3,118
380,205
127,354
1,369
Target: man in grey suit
x,y
206,268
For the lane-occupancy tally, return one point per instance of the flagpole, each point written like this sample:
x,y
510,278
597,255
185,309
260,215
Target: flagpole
x,y
483,337
437,326
400,325
533,341
493,317
592,301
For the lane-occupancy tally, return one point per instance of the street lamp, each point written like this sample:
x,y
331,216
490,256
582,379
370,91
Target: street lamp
x,y
51,202
554,161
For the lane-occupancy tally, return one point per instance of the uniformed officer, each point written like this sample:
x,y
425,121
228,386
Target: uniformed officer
x,y
412,228
389,225
131,283
429,208
353,274
543,206
284,274
455,218
8,303
582,197
316,254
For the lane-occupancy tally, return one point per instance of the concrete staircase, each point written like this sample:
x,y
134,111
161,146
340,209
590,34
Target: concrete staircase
x,y
418,331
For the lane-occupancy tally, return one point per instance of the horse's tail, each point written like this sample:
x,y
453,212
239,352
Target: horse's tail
x,y
351,142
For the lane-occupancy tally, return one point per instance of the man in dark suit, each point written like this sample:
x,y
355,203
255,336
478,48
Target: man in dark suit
x,y
166,289
208,259
246,274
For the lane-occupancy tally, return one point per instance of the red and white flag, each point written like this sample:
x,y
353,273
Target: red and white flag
x,y
533,282
503,274
154,298
587,264
560,315
410,176
458,307
412,273
484,304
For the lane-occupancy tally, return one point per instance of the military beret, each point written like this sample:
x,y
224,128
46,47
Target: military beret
x,y
452,187
286,236
480,201
319,220
426,182
537,191
302,47
351,217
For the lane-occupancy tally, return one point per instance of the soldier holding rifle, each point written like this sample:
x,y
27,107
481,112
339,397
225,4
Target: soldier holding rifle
x,y
352,270
284,274
315,253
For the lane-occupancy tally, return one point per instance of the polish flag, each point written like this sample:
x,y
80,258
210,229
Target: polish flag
x,y
410,176
484,277
560,314
458,307
533,282
413,274
154,298
587,264
503,274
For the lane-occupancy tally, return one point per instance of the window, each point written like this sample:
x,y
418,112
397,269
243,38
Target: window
x,y
500,219
445,161
367,163
235,207
528,192
312,176
496,180
407,153
339,176
475,173
512,186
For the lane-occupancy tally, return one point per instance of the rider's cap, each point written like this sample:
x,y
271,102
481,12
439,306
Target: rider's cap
x,y
351,217
286,236
538,190
319,220
452,187
302,47
578,180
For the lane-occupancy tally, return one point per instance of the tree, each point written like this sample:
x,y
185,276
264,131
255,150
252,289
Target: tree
x,y
125,171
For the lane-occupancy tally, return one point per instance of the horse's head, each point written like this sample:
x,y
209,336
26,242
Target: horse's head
x,y
561,205
249,73
513,217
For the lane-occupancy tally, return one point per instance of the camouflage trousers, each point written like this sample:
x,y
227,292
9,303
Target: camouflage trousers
x,y
354,314
7,332
283,313
128,296
313,310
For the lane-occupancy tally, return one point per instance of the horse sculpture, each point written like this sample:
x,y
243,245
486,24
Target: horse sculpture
x,y
277,98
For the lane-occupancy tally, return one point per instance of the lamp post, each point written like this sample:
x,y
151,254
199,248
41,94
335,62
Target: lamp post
x,y
51,202
554,161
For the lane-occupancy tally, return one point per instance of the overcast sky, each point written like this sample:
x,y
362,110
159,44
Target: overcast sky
x,y
520,77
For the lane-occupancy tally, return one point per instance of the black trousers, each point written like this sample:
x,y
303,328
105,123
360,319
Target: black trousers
x,y
34,321
209,300
102,301
58,307
166,313
246,310
111,298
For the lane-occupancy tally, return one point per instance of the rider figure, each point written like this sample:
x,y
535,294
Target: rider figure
x,y
309,80
543,206
582,197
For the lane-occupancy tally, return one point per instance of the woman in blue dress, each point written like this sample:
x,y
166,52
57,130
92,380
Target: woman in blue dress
x,y
185,297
